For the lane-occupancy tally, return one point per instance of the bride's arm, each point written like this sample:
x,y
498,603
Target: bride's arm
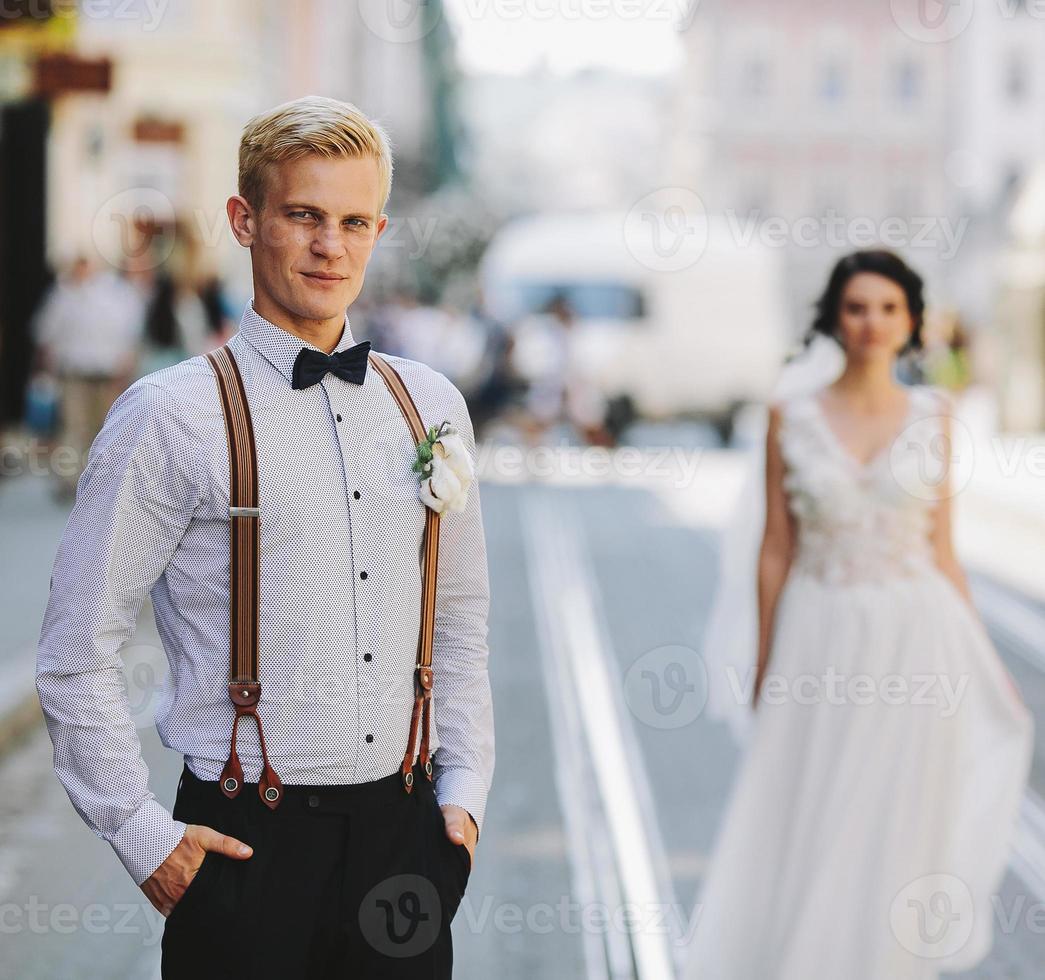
x,y
940,534
774,557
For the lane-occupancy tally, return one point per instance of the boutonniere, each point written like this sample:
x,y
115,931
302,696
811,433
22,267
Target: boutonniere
x,y
444,469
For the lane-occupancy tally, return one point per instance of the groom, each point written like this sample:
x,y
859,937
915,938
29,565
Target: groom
x,y
312,839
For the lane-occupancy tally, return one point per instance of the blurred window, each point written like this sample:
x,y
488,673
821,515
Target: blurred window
x,y
588,300
754,79
907,81
831,83
1016,82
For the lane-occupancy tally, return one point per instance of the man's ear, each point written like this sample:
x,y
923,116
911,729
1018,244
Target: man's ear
x,y
382,224
241,220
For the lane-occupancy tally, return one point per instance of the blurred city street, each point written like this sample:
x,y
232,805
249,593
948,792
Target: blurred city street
x,y
626,573
612,227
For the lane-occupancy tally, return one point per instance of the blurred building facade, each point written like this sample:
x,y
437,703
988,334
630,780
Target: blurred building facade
x,y
822,118
813,109
543,141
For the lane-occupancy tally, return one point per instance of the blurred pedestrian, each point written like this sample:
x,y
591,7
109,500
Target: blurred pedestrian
x,y
499,391
177,325
548,352
221,322
88,331
890,748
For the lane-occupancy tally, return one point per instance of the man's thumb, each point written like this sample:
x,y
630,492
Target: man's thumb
x,y
213,840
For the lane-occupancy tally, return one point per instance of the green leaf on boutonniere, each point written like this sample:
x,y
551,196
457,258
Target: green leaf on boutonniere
x,y
426,450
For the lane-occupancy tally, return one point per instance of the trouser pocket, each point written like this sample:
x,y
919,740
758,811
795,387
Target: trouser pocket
x,y
453,860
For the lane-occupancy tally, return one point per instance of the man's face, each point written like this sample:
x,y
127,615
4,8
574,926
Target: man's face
x,y
313,237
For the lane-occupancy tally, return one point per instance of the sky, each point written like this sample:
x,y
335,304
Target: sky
x,y
514,36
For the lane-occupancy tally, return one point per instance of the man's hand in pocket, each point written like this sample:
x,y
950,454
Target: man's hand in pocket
x,y
165,886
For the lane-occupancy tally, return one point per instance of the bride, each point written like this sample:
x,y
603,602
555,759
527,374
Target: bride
x,y
870,821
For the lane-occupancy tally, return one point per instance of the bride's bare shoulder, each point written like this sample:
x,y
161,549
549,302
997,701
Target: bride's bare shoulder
x,y
794,402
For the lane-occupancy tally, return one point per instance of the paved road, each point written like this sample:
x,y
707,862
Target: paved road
x,y
593,802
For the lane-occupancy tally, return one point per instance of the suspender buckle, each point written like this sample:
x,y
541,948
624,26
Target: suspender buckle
x,y
244,512
423,677
244,693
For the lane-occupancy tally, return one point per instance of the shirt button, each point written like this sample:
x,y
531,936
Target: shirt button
x,y
313,801
370,738
362,574
356,494
367,657
338,417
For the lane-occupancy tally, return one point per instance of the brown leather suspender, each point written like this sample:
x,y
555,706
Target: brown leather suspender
x,y
244,568
244,573
429,573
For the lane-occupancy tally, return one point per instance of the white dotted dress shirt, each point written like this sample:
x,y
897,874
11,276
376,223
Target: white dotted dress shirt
x,y
341,528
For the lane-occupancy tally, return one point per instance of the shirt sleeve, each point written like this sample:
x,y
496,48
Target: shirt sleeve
x,y
136,497
462,702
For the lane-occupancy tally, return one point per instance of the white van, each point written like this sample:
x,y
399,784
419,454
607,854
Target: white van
x,y
699,342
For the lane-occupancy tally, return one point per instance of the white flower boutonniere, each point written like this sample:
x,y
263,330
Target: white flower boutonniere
x,y
444,469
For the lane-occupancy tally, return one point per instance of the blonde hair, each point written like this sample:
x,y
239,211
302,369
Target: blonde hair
x,y
312,124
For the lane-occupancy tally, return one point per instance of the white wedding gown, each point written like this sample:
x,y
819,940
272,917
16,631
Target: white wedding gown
x,y
869,825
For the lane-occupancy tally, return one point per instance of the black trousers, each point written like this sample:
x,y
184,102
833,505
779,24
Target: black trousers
x,y
345,881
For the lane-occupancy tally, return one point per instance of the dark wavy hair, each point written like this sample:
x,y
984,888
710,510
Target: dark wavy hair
x,y
883,263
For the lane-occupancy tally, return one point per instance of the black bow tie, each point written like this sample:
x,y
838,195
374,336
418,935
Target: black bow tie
x,y
349,364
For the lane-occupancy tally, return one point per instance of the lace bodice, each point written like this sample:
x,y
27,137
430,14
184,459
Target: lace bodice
x,y
857,522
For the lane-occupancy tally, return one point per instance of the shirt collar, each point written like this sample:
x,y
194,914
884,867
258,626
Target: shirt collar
x,y
278,346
